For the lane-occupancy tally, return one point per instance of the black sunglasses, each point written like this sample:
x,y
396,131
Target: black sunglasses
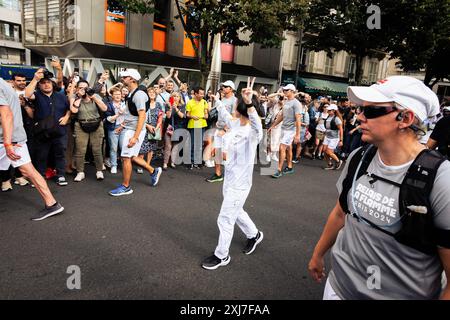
x,y
372,112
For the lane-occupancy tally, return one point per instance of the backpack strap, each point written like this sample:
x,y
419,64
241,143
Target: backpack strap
x,y
364,154
418,230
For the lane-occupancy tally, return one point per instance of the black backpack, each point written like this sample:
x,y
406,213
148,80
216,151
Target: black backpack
x,y
417,230
132,107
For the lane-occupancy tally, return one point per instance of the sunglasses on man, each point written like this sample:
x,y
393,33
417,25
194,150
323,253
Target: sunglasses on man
x,y
372,112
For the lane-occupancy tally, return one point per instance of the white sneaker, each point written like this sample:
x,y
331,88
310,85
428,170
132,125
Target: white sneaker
x,y
80,176
6,186
140,171
275,156
100,175
113,169
268,158
108,163
21,181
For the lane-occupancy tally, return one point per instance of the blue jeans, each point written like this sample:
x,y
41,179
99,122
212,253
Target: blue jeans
x,y
115,140
197,145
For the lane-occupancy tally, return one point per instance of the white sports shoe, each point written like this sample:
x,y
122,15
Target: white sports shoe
x,y
80,176
100,175
113,169
21,181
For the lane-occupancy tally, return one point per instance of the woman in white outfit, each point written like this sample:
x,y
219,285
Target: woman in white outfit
x,y
240,142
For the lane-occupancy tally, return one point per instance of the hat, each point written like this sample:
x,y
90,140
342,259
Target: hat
x,y
228,83
290,86
332,107
408,92
447,108
133,73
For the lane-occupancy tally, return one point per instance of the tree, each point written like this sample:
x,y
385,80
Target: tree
x,y
421,37
264,20
416,32
336,25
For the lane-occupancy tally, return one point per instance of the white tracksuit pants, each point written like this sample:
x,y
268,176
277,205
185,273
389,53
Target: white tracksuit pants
x,y
232,212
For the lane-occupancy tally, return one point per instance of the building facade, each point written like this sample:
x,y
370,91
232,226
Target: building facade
x,y
12,50
97,35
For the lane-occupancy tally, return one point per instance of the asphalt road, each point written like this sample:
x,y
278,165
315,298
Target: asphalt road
x,y
149,245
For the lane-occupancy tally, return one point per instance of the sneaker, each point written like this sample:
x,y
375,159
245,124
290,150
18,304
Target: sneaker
x,y
339,164
114,169
296,160
330,167
139,170
80,176
215,178
277,174
6,186
21,181
100,175
252,243
108,163
288,170
155,177
61,181
121,191
48,212
212,262
172,165
268,158
164,167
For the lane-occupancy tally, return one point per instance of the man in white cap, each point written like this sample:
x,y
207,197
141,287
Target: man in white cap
x,y
138,103
389,233
229,101
290,129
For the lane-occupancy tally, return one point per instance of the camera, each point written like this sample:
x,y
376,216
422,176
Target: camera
x,y
90,92
47,74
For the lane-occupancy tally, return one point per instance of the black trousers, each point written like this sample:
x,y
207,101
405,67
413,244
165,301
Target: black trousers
x,y
42,154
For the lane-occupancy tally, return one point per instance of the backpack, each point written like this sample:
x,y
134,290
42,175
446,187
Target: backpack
x,y
333,125
132,107
417,230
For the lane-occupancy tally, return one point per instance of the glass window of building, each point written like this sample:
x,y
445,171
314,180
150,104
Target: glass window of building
x,y
160,22
373,71
10,4
115,23
329,65
310,67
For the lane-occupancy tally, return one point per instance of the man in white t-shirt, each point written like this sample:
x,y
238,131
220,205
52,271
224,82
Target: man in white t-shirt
x,y
134,134
290,130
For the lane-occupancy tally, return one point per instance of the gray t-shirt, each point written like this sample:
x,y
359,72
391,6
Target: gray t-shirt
x,y
230,105
290,109
8,97
130,121
332,134
360,250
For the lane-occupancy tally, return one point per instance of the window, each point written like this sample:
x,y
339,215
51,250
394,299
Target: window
x,y
351,67
373,71
47,21
115,24
310,67
9,55
329,65
161,15
9,31
160,21
10,4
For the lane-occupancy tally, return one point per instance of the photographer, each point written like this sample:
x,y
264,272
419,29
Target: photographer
x,y
51,116
88,127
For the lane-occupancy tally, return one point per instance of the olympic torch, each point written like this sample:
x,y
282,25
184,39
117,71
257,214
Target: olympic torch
x,y
216,65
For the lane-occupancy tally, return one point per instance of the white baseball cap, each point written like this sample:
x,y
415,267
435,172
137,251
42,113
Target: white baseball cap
x,y
228,83
332,107
410,93
133,73
290,86
447,108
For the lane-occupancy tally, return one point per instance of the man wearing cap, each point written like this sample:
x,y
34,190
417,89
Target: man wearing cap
x,y
290,130
229,101
134,133
368,262
440,137
48,102
14,151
